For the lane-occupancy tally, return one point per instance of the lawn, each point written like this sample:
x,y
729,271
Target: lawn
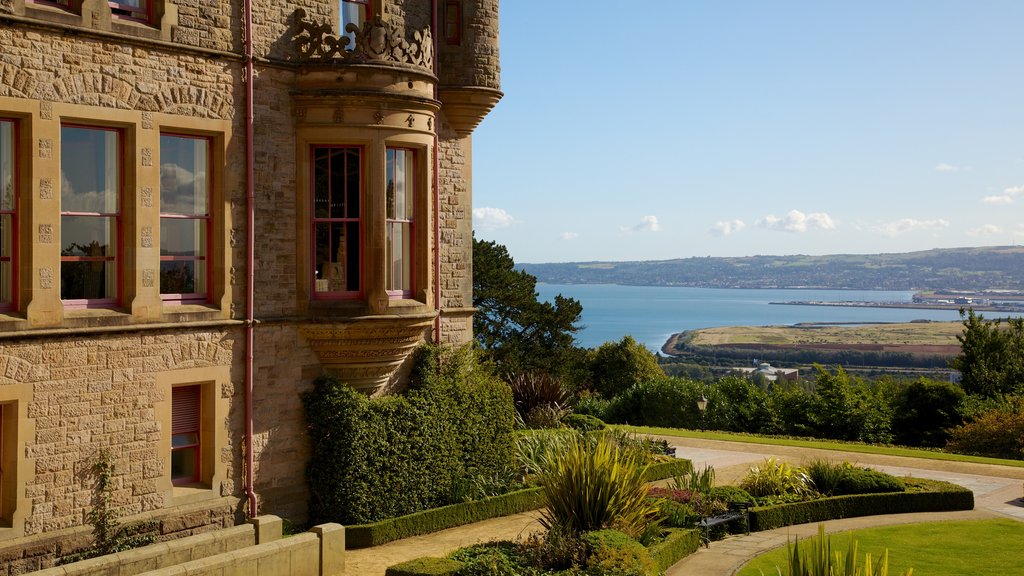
x,y
931,549
821,444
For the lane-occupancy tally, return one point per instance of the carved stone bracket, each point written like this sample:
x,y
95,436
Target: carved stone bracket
x,y
365,353
374,41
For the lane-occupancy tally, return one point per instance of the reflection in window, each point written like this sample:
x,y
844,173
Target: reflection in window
x,y
400,201
184,217
186,406
131,9
337,190
354,12
8,215
90,215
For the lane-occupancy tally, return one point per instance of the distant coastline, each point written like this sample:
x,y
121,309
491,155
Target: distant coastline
x,y
1013,308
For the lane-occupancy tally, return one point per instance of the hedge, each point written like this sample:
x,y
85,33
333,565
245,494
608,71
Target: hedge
x,y
679,544
426,566
427,521
936,496
434,519
386,457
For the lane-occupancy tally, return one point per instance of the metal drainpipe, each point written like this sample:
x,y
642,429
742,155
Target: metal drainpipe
x,y
250,273
437,193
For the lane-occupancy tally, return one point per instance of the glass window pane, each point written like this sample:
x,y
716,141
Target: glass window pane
x,y
183,463
184,176
89,169
353,184
6,236
410,186
6,165
321,182
88,236
338,181
183,277
87,280
182,237
189,439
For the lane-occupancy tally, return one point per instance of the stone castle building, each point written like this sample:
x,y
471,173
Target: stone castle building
x,y
204,206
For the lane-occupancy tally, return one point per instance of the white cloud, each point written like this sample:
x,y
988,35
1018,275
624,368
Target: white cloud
x,y
904,225
1001,199
943,167
727,227
985,230
568,236
647,224
797,221
1006,197
492,218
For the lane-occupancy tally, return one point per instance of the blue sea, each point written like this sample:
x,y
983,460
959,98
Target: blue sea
x,y
651,314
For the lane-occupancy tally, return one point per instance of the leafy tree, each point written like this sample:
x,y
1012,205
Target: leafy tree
x,y
618,366
991,359
847,408
518,332
924,411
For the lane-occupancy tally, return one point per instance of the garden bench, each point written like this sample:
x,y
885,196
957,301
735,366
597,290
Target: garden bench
x,y
736,511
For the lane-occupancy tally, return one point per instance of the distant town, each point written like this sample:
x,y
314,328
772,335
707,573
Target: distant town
x,y
983,301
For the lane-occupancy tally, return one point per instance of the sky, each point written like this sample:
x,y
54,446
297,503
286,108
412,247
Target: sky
x,y
678,128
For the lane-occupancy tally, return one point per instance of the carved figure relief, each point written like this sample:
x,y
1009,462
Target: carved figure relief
x,y
375,40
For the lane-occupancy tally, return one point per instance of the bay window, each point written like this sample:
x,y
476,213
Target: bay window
x,y
400,192
184,218
337,220
90,216
8,216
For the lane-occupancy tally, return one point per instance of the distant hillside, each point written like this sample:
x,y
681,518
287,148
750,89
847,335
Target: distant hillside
x,y
998,267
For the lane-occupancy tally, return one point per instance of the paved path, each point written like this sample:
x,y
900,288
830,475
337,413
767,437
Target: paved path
x,y
997,492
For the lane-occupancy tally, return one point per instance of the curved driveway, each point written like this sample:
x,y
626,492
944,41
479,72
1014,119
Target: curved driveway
x,y
997,493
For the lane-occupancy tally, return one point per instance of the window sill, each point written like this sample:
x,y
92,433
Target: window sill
x,y
191,493
190,312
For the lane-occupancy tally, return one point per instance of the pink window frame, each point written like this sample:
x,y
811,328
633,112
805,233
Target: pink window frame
x,y
197,430
118,258
13,258
350,294
195,297
389,222
453,22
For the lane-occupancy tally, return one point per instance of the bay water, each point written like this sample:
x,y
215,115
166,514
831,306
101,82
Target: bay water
x,y
651,314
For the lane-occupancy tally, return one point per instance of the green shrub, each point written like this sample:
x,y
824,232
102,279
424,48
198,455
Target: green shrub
x,y
426,567
730,494
592,405
618,366
924,411
677,545
676,514
596,485
868,481
392,456
534,388
613,553
998,433
921,496
583,422
776,478
501,558
827,475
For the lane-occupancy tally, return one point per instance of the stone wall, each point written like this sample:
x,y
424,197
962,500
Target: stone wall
x,y
474,62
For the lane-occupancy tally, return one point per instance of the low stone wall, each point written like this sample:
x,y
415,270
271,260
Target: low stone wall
x,y
38,552
256,549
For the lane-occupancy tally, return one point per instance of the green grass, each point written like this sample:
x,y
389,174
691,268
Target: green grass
x,y
823,445
932,549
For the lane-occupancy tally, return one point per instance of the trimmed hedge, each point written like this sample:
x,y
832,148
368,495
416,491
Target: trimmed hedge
x,y
934,496
396,455
679,544
434,519
426,566
427,521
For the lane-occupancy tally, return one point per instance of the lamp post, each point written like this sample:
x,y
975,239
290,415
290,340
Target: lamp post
x,y
702,405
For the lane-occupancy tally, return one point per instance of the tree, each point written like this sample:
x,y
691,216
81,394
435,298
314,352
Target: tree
x,y
618,366
991,359
924,411
517,331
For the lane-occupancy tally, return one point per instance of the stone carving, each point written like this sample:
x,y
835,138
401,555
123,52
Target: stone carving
x,y
46,110
378,116
148,278
374,41
45,148
147,156
46,278
45,189
411,120
147,197
147,120
366,352
147,236
46,233
339,115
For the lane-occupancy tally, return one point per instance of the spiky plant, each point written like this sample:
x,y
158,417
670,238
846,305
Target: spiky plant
x,y
776,478
816,558
593,485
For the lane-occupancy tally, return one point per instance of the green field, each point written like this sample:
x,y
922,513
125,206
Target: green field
x,y
908,334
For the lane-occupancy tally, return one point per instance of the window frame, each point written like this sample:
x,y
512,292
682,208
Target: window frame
x,y
118,219
360,221
197,446
13,259
413,198
453,22
191,297
123,11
